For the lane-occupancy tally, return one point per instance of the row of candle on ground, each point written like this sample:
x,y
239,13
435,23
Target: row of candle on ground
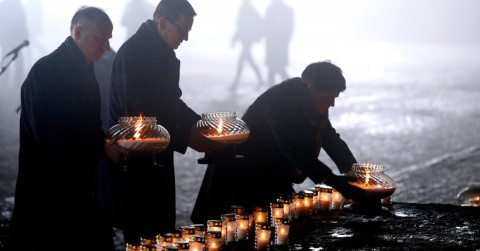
x,y
235,226
213,240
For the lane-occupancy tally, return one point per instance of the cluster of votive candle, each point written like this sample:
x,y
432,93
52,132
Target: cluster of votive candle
x,y
269,225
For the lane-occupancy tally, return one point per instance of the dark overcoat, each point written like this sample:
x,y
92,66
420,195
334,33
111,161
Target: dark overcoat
x,y
145,81
283,147
61,142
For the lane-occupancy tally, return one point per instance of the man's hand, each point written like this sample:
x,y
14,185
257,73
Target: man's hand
x,y
341,184
115,152
200,143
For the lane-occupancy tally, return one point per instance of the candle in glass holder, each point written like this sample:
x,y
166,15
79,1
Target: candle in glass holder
x,y
242,226
147,244
229,227
324,196
336,200
282,227
475,202
177,235
199,229
262,236
307,202
260,214
182,245
131,247
237,209
276,211
213,240
315,202
187,231
296,206
286,206
197,243
214,225
164,240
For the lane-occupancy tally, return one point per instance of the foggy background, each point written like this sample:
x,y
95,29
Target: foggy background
x,y
412,70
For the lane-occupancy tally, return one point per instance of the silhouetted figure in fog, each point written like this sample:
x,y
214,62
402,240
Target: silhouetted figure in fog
x,y
248,32
12,33
134,14
277,29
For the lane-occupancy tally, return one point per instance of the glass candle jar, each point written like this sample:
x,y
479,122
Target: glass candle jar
x,y
336,201
470,195
164,240
286,206
229,227
214,225
282,228
223,127
139,134
276,211
262,236
296,206
187,231
241,233
177,235
260,214
182,245
373,179
307,202
213,240
197,243
324,196
199,229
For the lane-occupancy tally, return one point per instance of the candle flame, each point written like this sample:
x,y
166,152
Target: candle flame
x,y
220,127
367,176
138,127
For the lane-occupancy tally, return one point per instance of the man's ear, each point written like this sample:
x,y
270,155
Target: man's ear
x,y
162,22
77,32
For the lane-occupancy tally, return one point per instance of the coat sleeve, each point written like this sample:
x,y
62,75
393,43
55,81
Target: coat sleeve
x,y
295,139
337,149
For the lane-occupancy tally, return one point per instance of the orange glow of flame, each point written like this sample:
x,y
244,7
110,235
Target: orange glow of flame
x,y
220,127
367,177
138,127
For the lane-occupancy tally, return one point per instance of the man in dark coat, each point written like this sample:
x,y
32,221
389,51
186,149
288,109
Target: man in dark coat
x,y
61,142
145,81
288,126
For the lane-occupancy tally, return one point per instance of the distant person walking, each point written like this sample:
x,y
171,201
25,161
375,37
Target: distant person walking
x,y
278,30
248,32
134,14
13,33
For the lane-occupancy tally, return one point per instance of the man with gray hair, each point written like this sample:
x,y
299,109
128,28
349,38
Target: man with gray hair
x,y
61,142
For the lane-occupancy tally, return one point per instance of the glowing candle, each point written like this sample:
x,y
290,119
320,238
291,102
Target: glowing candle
x,y
276,211
177,236
164,240
262,236
286,206
336,201
197,243
282,227
229,228
475,202
214,225
307,202
213,240
296,206
325,195
199,229
187,231
260,214
181,245
242,226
